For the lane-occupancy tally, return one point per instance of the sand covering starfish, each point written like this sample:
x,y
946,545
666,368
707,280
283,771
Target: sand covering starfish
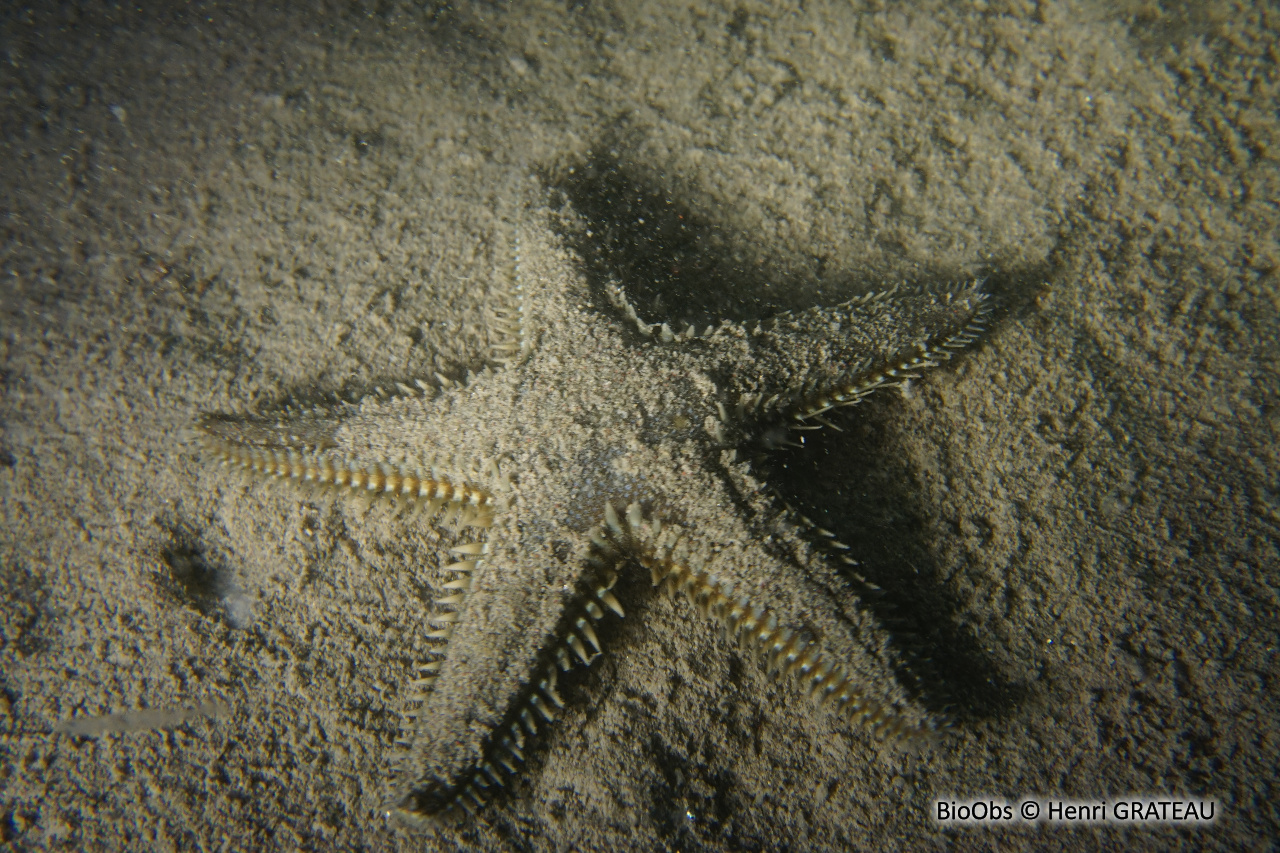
x,y
561,488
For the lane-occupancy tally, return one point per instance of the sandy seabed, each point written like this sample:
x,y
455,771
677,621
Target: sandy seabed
x,y
213,208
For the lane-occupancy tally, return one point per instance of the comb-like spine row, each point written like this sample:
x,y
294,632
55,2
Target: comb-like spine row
x,y
507,315
782,651
444,617
537,707
850,392
507,327
463,504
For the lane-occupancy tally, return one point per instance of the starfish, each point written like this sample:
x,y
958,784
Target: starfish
x,y
595,449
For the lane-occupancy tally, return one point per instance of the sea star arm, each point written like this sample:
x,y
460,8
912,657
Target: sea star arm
x,y
686,568
787,373
307,445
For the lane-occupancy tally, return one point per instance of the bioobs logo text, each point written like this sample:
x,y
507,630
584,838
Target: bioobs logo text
x,y
978,811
